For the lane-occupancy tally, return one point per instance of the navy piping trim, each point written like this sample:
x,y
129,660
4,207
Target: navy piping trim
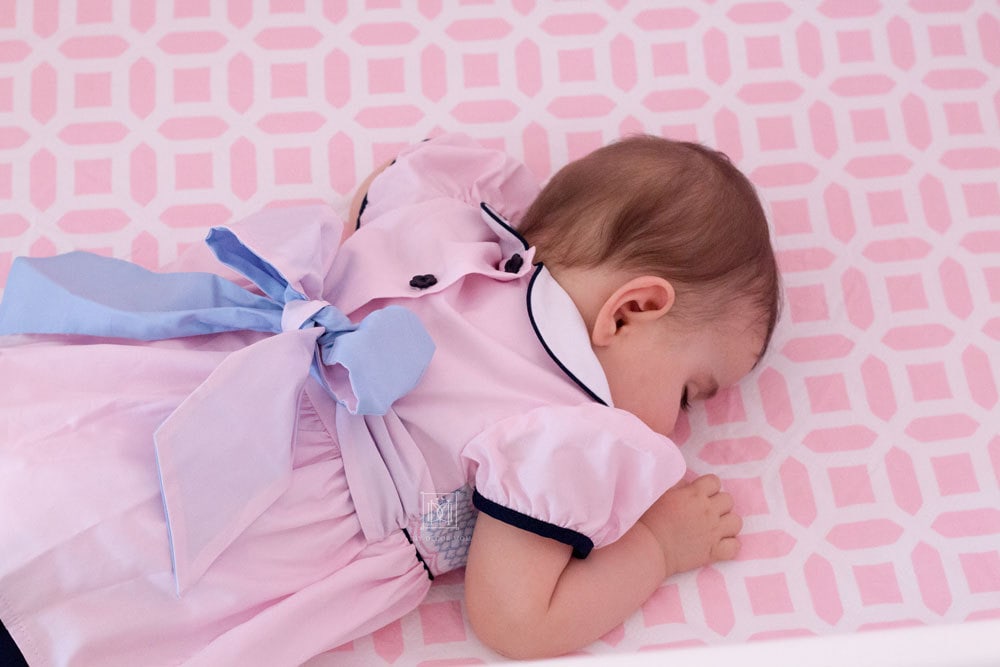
x,y
364,204
582,545
10,654
538,333
500,221
419,557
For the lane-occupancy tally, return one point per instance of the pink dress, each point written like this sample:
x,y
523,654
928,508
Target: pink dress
x,y
512,417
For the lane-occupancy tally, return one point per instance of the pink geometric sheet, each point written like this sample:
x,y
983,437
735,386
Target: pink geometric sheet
x,y
864,451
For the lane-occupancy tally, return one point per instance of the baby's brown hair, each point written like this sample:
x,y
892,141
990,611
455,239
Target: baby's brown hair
x,y
673,209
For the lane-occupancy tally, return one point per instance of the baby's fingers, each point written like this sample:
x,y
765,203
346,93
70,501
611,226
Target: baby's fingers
x,y
726,549
722,503
708,484
730,525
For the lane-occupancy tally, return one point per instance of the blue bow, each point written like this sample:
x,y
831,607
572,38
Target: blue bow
x,y
238,426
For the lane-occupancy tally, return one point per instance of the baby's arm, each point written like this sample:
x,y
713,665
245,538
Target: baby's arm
x,y
528,597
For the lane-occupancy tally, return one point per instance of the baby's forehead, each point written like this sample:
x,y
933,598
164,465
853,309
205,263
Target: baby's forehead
x,y
742,332
728,314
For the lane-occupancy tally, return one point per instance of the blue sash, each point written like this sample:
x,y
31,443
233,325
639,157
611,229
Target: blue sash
x,y
364,366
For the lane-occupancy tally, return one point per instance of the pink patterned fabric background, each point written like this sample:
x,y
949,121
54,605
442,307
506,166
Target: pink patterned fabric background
x,y
864,452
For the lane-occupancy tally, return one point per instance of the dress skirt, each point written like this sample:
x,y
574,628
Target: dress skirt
x,y
85,568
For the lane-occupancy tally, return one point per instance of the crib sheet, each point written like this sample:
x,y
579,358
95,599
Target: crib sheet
x,y
863,452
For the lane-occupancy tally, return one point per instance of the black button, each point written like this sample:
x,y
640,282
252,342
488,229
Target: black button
x,y
423,281
514,264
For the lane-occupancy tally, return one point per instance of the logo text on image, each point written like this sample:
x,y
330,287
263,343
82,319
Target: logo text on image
x,y
438,510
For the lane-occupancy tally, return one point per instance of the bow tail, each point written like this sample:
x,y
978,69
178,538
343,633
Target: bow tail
x,y
225,454
86,294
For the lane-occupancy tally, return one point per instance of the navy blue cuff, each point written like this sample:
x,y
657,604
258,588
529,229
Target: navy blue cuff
x,y
582,545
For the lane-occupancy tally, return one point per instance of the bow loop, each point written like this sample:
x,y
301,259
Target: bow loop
x,y
383,358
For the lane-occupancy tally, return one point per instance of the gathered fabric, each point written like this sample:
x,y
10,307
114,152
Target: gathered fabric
x,y
364,366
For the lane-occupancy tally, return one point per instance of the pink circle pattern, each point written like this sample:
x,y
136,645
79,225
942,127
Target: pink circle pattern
x,y
864,452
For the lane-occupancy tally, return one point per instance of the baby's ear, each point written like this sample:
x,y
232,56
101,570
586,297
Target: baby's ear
x,y
640,301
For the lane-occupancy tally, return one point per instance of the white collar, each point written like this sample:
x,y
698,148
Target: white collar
x,y
563,333
555,318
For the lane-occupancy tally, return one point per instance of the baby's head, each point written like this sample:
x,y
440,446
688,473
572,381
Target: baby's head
x,y
665,248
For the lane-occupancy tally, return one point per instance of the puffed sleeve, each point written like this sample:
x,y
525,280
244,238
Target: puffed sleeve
x,y
582,475
452,166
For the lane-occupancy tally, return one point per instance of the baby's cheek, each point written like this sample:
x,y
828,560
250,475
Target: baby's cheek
x,y
657,408
670,410
671,424
663,420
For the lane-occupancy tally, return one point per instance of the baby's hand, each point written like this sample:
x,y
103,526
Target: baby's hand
x,y
694,524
